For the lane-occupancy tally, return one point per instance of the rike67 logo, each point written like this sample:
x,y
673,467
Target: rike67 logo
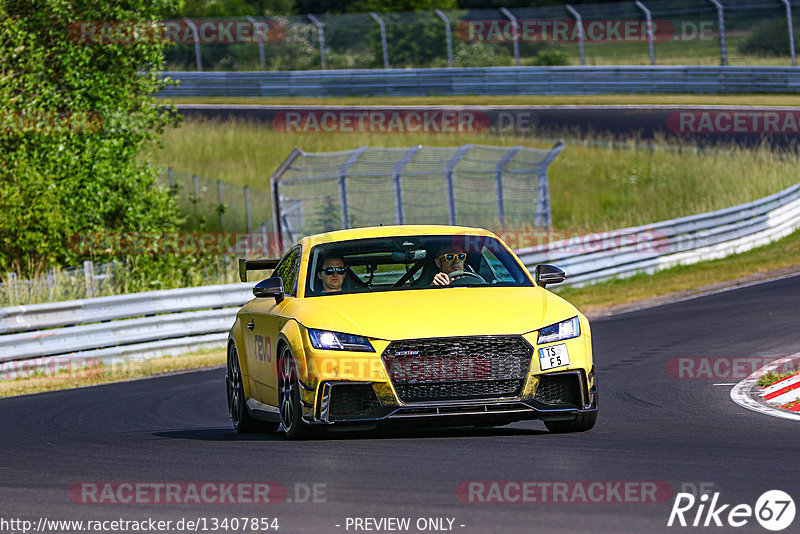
x,y
774,510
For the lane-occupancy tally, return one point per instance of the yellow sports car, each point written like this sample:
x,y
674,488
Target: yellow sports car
x,y
416,325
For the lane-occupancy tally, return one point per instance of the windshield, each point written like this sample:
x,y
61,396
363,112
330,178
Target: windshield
x,y
411,262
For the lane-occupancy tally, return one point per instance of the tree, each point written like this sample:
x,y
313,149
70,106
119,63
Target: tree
x,y
77,109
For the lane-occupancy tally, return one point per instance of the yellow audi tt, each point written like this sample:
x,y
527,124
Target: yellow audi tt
x,y
415,325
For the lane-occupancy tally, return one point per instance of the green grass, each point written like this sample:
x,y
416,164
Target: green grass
x,y
593,188
771,377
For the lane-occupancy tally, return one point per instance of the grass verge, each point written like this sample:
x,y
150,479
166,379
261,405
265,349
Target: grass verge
x,y
101,374
771,377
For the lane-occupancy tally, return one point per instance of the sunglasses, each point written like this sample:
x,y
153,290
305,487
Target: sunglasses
x,y
330,270
450,256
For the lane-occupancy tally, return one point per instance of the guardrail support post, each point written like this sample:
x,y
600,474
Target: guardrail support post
x,y
261,58
515,40
648,17
321,31
791,30
447,36
723,48
579,22
198,57
384,45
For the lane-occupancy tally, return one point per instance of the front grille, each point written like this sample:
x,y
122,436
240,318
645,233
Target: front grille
x,y
559,390
457,368
352,401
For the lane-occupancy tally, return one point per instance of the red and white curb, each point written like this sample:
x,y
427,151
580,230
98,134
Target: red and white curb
x,y
746,393
783,393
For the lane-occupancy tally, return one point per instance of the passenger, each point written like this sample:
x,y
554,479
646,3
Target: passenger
x,y
332,273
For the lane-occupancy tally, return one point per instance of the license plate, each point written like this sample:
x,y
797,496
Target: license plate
x,y
553,356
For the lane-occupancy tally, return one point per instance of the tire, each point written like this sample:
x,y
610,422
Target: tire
x,y
581,423
237,403
289,397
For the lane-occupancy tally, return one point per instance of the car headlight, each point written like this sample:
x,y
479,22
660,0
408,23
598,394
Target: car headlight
x,y
325,339
560,331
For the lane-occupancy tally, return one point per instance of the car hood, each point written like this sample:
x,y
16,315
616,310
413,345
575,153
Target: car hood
x,y
457,311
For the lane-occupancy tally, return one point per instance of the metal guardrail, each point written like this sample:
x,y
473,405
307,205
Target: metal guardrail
x,y
488,81
173,321
682,241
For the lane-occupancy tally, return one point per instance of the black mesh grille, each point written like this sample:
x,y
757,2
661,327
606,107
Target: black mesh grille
x,y
457,368
559,390
352,401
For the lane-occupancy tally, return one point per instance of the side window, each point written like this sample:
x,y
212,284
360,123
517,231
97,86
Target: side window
x,y
288,269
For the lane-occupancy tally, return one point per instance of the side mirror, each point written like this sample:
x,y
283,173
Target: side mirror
x,y
271,287
547,274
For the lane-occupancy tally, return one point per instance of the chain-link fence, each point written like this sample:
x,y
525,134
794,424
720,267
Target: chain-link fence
x,y
85,281
472,185
217,206
644,32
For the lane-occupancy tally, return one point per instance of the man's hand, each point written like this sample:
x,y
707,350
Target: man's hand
x,y
441,279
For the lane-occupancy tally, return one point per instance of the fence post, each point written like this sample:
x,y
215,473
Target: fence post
x,y
791,30
88,276
220,206
383,38
648,17
261,57
452,215
399,209
171,176
498,179
11,279
543,217
723,49
247,209
447,36
321,32
198,57
345,167
274,183
515,40
579,22
196,198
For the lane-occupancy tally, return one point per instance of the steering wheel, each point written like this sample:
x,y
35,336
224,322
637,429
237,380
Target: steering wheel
x,y
461,274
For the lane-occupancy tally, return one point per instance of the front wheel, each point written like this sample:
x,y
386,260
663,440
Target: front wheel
x,y
581,423
289,397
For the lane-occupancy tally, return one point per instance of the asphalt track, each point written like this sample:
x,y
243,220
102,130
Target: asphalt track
x,y
652,427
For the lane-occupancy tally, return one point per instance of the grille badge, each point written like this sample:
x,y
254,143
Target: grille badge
x,y
406,353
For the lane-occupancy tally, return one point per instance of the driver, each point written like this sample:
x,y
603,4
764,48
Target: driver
x,y
449,259
332,273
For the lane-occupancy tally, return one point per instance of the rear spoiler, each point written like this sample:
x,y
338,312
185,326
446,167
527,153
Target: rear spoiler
x,y
254,265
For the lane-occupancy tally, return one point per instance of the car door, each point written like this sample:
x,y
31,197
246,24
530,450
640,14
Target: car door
x,y
268,324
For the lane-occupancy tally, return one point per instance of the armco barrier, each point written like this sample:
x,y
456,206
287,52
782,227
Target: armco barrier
x,y
155,323
488,81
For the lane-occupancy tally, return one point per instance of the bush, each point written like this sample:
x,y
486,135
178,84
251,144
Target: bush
x,y
769,38
75,117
